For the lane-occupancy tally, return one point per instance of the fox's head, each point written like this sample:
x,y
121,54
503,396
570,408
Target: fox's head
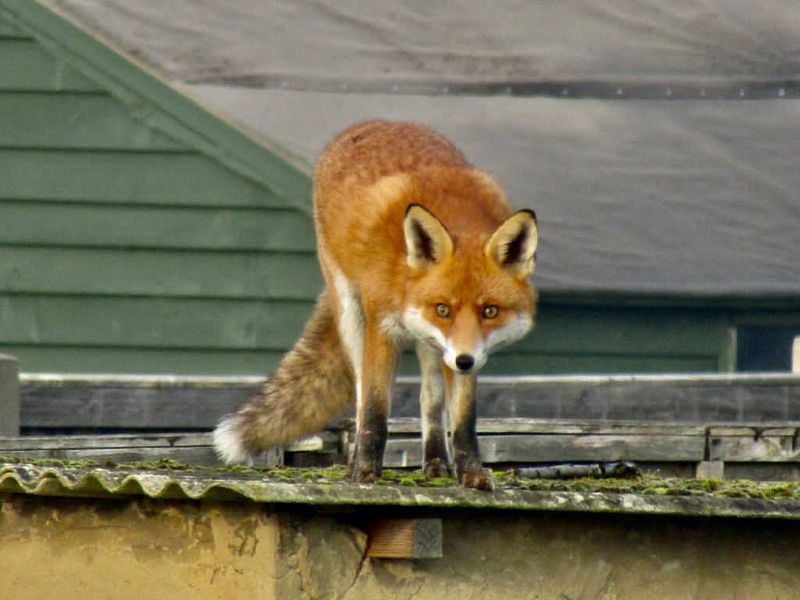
x,y
468,295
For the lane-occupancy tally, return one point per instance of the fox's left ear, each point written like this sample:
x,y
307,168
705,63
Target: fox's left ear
x,y
513,244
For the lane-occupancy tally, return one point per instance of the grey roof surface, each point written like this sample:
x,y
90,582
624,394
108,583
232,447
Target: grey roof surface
x,y
659,143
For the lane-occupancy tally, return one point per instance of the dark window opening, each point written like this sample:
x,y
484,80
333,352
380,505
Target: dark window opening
x,y
765,348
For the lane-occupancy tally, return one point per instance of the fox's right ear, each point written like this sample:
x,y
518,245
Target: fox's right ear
x,y
427,241
513,244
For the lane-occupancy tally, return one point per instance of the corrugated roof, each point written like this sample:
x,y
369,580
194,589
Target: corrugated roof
x,y
310,487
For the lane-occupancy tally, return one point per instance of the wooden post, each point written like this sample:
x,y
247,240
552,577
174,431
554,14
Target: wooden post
x,y
9,396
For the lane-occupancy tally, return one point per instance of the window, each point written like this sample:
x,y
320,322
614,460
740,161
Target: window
x,y
767,348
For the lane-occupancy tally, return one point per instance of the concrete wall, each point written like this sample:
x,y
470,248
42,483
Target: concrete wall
x,y
555,556
67,549
70,548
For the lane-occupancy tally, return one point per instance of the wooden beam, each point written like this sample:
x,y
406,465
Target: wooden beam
x,y
187,448
405,538
654,403
9,395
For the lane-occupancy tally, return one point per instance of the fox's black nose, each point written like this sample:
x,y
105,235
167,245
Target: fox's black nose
x,y
465,362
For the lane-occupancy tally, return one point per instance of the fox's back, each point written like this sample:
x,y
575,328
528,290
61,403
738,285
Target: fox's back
x,y
369,174
368,151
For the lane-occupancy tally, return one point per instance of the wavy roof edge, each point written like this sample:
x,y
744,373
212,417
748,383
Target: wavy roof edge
x,y
101,482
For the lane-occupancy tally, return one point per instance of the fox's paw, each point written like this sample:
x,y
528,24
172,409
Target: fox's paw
x,y
437,468
478,479
365,476
364,473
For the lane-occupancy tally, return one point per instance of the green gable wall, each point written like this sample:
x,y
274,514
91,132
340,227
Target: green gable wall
x,y
141,234
125,247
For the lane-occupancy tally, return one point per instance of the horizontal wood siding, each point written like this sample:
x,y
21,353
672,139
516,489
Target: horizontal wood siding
x,y
151,322
123,249
42,358
159,178
160,273
26,66
73,120
121,226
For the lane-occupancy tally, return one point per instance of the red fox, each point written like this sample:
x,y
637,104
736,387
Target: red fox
x,y
416,247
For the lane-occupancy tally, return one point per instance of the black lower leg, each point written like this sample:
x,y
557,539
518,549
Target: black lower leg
x,y
467,457
435,454
371,433
465,446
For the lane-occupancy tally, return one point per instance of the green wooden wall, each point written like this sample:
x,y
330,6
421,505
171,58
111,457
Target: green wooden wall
x,y
126,247
122,249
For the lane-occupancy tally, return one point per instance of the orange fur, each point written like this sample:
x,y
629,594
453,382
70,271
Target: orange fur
x,y
416,246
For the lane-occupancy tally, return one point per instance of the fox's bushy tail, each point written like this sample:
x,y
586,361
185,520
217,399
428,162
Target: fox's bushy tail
x,y
313,383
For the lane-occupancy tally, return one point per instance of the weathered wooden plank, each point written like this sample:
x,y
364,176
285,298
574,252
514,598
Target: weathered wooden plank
x,y
150,403
187,448
762,448
26,66
405,452
99,359
152,322
165,178
70,120
686,399
512,425
563,401
135,226
763,471
157,273
9,395
400,453
105,441
187,455
592,447
786,429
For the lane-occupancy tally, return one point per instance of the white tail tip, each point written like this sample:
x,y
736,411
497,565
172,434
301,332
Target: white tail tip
x,y
228,442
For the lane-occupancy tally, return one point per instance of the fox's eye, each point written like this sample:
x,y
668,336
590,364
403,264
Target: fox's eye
x,y
443,310
490,312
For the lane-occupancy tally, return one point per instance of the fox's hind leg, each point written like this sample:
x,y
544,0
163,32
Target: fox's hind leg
x,y
436,458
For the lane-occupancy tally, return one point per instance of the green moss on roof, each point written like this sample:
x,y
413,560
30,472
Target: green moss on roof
x,y
330,487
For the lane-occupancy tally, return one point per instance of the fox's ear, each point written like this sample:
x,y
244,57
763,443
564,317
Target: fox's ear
x,y
513,244
427,241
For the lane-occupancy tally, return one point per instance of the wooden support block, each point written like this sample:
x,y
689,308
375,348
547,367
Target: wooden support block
x,y
405,538
710,469
9,396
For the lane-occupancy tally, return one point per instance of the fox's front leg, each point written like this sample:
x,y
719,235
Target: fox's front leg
x,y
469,469
373,403
436,460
